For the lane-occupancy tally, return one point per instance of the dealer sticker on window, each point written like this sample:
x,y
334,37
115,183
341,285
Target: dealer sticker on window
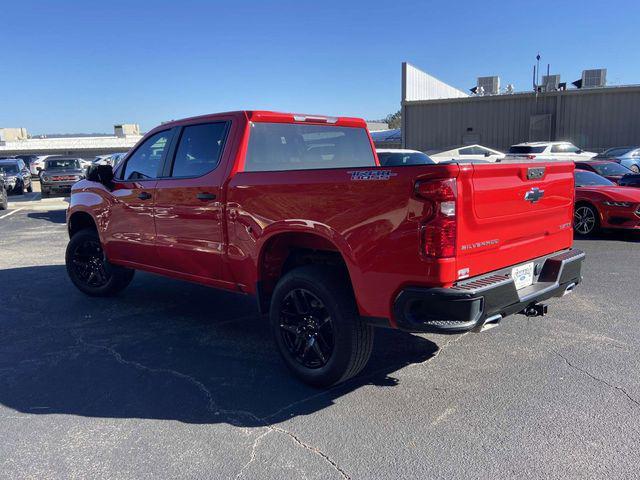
x,y
522,275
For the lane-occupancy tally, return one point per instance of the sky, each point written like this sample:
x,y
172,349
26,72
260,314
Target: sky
x,y
84,66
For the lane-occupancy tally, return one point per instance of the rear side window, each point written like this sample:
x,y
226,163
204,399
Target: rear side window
x,y
145,162
473,151
286,146
199,149
525,149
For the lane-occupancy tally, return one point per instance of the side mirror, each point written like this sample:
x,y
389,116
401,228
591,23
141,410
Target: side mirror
x,y
578,151
487,154
102,174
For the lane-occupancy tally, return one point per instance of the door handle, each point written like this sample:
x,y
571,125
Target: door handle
x,y
205,196
144,196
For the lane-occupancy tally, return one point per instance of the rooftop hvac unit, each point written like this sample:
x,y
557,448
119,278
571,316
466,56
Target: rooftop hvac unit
x,y
490,85
551,83
594,78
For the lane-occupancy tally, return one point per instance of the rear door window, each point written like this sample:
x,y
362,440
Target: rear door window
x,y
199,149
146,161
286,146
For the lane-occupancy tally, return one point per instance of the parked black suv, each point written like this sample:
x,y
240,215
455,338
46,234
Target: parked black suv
x,y
4,202
18,176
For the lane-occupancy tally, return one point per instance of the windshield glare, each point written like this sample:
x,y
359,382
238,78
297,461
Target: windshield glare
x,y
68,164
9,169
587,179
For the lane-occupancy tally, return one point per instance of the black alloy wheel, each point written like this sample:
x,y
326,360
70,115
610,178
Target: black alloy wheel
x,y
89,269
316,325
306,328
88,263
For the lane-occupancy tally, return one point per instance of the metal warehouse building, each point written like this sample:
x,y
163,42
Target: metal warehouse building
x,y
435,115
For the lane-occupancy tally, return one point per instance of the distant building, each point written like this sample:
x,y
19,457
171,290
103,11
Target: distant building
x,y
593,116
15,141
13,134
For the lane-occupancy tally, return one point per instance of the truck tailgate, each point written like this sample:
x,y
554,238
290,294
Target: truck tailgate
x,y
512,212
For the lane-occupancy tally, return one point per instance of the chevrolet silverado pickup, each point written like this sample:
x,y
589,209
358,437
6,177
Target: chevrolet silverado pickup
x,y
297,211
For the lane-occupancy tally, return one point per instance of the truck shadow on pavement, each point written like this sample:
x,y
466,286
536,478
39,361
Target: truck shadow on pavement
x,y
162,349
53,216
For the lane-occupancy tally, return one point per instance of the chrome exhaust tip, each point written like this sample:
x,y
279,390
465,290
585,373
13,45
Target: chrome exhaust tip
x,y
488,323
569,289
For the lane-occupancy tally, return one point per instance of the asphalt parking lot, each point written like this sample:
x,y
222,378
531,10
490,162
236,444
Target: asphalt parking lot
x,y
171,379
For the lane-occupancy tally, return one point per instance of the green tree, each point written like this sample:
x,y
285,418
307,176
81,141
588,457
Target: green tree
x,y
394,120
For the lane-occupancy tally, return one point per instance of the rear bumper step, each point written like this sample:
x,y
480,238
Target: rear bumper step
x,y
481,302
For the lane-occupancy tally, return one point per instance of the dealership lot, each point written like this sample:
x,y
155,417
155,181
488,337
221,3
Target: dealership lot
x,y
175,379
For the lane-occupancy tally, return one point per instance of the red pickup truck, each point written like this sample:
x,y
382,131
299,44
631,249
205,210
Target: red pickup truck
x,y
296,210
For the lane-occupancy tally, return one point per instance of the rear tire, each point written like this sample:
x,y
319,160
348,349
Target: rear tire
x,y
44,193
30,188
4,201
586,220
316,326
90,271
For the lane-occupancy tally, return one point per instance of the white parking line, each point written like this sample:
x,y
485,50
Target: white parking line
x,y
11,212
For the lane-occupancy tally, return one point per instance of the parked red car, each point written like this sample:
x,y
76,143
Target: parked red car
x,y
296,210
605,168
601,203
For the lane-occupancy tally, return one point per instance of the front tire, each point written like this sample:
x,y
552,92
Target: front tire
x,y
585,220
316,326
634,168
90,271
4,201
30,188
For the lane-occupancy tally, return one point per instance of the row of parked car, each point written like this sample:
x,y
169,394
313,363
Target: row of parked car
x,y
605,197
57,173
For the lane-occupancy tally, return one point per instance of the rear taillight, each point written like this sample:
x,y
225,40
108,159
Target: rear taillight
x,y
438,229
531,157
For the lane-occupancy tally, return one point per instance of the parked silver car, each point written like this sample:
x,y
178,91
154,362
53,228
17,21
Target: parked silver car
x,y
626,156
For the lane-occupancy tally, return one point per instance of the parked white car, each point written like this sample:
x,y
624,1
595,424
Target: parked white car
x,y
465,152
548,151
38,165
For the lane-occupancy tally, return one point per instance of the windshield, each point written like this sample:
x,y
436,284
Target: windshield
x,y
588,179
611,169
287,146
525,149
392,159
62,164
614,152
9,168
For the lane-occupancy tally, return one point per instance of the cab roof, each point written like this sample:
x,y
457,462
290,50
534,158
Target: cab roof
x,y
273,117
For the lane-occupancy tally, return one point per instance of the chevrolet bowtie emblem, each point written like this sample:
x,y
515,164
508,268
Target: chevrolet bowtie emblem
x,y
534,195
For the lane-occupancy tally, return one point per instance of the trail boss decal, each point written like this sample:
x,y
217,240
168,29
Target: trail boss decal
x,y
371,175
